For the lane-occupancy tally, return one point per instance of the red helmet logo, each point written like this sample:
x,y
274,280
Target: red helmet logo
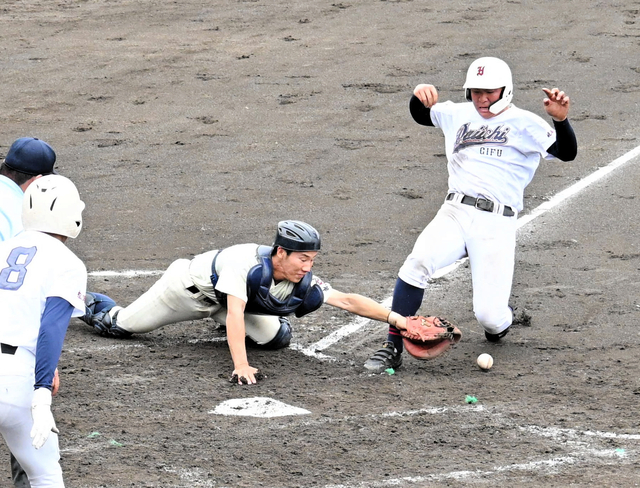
x,y
480,70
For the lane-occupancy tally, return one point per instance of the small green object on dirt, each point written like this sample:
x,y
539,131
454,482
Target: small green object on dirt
x,y
471,399
390,371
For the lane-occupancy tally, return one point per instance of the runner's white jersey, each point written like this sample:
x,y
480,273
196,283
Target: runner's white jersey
x,y
492,158
33,267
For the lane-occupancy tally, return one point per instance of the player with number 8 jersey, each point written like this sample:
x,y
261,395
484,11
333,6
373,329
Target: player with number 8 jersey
x,y
42,285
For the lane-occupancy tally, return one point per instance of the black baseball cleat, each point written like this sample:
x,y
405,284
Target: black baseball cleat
x,y
496,337
384,358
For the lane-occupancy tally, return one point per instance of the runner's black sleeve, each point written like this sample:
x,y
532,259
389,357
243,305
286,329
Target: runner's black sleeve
x,y
566,146
420,113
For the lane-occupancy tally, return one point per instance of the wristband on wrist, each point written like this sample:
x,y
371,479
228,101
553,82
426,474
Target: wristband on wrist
x,y
395,318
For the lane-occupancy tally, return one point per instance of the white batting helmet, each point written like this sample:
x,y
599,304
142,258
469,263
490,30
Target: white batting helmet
x,y
52,204
489,74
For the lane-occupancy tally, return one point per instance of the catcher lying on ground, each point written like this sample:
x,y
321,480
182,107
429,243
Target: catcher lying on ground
x,y
250,289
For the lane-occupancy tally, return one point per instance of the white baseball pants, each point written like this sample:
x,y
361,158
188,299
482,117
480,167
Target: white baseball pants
x,y
168,301
16,392
488,239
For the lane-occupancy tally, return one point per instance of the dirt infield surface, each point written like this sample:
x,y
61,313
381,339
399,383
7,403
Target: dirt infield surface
x,y
193,125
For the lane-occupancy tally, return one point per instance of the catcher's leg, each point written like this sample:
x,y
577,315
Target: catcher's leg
x,y
264,331
101,312
168,301
96,303
282,338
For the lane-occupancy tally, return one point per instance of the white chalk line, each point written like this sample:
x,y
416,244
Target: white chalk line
x,y
581,453
94,348
554,433
195,476
557,433
580,185
573,440
130,273
465,475
327,341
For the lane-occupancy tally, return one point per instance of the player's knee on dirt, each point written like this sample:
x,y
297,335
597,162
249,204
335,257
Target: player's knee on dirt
x,y
107,325
493,322
282,339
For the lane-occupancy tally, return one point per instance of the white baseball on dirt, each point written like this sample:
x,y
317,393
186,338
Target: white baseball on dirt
x,y
485,361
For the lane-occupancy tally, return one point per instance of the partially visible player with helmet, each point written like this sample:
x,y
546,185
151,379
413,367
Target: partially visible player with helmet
x,y
249,288
42,285
493,149
28,159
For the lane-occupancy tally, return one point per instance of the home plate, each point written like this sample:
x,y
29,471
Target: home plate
x,y
257,407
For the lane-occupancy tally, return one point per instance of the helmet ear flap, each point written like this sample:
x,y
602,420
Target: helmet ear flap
x,y
503,102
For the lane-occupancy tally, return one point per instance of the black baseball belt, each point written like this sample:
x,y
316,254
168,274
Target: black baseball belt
x,y
195,290
7,349
483,204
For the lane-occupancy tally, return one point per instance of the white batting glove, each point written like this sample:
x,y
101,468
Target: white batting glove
x,y
43,422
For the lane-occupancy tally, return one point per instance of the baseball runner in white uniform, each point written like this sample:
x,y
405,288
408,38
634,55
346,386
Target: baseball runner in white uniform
x,y
249,288
42,285
493,149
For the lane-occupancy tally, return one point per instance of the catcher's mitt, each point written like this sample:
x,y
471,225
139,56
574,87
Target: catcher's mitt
x,y
429,337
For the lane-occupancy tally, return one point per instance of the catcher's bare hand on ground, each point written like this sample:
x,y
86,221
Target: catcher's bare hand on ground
x,y
556,104
429,337
246,375
427,94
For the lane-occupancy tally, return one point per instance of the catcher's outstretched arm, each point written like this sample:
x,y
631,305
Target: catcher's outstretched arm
x,y
236,340
365,307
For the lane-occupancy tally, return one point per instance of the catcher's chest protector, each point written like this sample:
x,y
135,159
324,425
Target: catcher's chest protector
x,y
304,299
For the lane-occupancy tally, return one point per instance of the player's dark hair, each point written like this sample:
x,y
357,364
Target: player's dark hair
x,y
275,250
16,176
